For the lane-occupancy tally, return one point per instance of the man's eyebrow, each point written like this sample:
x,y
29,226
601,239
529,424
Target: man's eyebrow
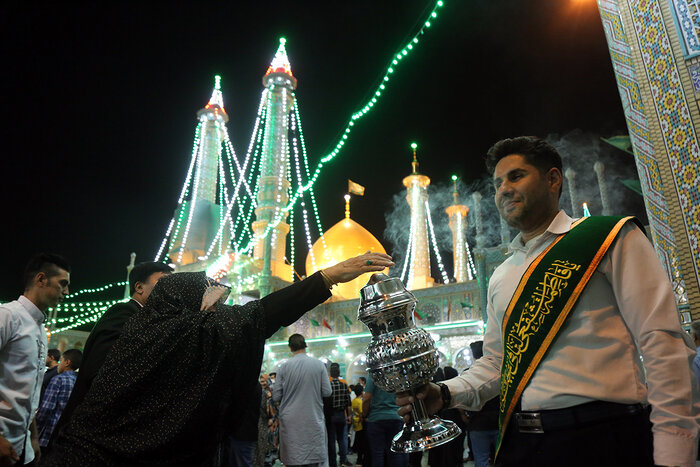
x,y
517,169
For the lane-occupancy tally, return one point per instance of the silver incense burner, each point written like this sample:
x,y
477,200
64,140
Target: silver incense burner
x,y
401,358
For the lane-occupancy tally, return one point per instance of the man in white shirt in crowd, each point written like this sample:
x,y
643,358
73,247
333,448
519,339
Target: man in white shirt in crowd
x,y
302,383
23,349
587,401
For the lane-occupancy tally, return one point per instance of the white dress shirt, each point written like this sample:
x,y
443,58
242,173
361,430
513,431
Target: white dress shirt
x,y
626,310
22,364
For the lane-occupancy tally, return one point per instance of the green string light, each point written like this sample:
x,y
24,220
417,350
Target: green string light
x,y
96,289
356,116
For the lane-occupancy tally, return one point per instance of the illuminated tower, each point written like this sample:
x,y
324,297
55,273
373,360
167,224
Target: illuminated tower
x,y
273,189
417,197
199,218
458,225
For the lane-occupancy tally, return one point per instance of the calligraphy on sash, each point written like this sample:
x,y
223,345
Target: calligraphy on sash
x,y
536,309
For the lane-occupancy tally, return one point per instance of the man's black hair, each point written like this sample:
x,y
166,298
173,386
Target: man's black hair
x,y
536,151
143,271
47,263
296,342
55,354
363,379
75,356
335,370
272,373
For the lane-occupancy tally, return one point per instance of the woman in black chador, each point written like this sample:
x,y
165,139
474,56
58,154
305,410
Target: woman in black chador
x,y
174,382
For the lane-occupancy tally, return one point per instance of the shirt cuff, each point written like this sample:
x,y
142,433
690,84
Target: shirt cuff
x,y
461,397
674,449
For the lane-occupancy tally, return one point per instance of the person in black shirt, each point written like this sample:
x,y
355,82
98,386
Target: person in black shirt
x,y
182,366
339,418
142,279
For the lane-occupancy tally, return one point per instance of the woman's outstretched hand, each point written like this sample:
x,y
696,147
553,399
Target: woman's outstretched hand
x,y
353,267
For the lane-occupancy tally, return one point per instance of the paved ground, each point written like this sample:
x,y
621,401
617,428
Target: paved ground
x,y
353,457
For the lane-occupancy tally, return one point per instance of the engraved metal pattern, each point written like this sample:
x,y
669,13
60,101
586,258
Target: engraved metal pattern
x,y
401,358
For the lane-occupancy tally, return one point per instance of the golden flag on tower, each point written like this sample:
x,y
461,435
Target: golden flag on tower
x,y
355,188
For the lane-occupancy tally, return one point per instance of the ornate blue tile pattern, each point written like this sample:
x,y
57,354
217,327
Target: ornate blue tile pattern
x,y
687,15
640,135
673,112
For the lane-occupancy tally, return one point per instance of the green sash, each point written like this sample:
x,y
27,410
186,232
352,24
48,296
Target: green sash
x,y
543,299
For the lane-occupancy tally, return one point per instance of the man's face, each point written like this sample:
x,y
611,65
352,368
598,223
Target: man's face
x,y
53,289
144,289
49,360
263,381
63,365
523,193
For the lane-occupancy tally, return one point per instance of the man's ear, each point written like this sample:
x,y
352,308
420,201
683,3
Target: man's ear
x,y
555,178
40,278
138,287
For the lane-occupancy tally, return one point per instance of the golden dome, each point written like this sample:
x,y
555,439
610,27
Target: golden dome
x,y
344,240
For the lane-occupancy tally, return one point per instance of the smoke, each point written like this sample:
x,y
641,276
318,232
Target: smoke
x,y
579,151
398,221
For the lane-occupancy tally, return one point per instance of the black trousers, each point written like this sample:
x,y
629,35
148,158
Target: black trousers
x,y
624,441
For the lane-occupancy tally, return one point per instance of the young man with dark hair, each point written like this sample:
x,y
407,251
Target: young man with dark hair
x,y
23,355
57,393
339,418
583,338
302,383
52,358
142,279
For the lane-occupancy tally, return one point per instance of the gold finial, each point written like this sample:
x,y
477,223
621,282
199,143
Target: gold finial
x,y
455,194
414,164
347,206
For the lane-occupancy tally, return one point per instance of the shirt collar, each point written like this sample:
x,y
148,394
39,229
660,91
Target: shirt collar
x,y
138,304
32,309
559,225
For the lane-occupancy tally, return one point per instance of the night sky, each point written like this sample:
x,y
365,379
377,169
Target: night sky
x,y
99,105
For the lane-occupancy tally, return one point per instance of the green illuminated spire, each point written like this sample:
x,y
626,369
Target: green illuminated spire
x,y
280,64
217,98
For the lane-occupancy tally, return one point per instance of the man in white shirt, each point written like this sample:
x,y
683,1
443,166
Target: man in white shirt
x,y
23,350
302,383
587,401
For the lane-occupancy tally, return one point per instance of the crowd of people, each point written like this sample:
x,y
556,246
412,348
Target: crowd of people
x,y
585,361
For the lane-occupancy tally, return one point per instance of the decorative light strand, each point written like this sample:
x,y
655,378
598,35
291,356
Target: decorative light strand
x,y
291,242
441,266
86,316
254,144
308,236
395,62
472,269
193,200
415,208
96,289
222,197
183,193
312,195
409,250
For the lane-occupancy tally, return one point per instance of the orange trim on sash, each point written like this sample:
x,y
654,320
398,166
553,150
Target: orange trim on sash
x,y
562,316
528,273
